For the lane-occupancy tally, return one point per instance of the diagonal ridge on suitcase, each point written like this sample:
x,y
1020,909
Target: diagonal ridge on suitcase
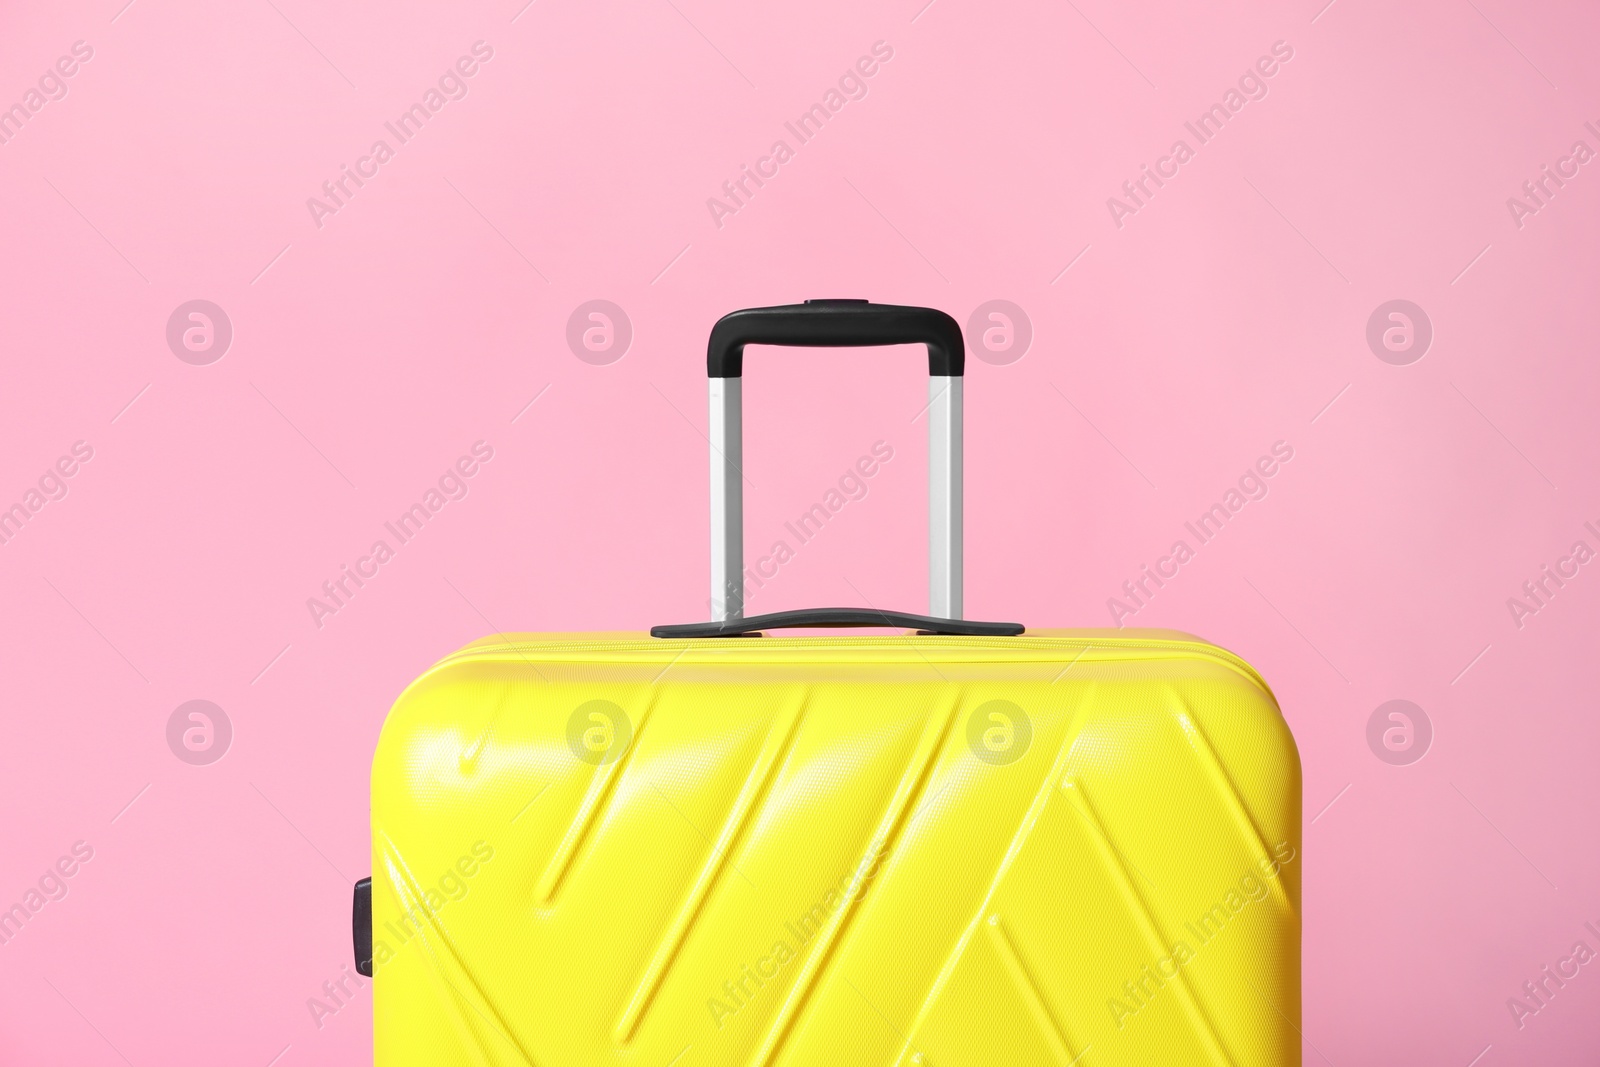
x,y
1019,839
1116,863
601,787
1027,987
1187,778
442,953
913,782
758,782
1227,792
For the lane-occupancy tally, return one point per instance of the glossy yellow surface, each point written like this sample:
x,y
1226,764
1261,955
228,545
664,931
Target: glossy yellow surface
x,y
1067,847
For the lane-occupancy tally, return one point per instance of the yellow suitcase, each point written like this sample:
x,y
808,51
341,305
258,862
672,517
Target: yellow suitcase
x,y
961,845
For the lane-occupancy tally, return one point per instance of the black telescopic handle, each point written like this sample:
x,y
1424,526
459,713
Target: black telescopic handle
x,y
836,324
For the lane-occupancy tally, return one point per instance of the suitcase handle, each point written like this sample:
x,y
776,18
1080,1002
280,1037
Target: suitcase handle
x,y
361,925
781,620
836,324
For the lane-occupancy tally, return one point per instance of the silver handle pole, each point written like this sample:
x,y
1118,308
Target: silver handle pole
x,y
944,497
945,579
727,499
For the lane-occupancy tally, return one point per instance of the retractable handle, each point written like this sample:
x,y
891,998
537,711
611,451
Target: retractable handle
x,y
836,324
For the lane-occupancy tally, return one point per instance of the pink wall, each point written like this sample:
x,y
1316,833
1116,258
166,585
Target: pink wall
x,y
1171,346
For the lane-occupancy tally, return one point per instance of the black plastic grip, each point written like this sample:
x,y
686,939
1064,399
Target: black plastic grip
x,y
780,620
836,324
361,926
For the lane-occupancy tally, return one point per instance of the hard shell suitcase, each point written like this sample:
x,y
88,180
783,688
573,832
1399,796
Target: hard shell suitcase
x,y
962,845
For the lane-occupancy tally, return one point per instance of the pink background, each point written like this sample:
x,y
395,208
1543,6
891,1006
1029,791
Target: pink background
x,y
1227,314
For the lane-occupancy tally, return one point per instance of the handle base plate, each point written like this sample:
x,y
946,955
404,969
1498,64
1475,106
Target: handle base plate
x,y
838,617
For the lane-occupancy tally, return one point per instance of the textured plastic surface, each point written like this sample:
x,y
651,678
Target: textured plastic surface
x,y
1064,847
